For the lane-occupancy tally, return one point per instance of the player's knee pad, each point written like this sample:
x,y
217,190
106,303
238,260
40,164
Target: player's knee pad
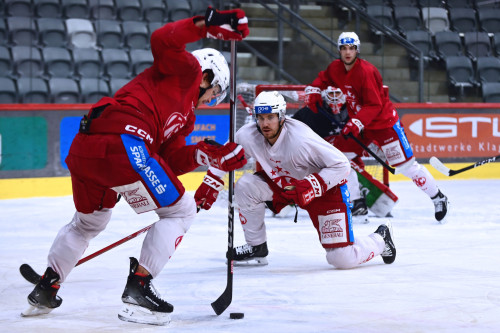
x,y
90,225
407,167
350,155
341,258
184,209
250,190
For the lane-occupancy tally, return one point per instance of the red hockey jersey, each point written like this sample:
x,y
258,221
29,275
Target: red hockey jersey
x,y
366,98
161,100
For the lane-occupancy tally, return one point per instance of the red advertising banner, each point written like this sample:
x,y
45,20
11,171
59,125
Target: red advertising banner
x,y
453,135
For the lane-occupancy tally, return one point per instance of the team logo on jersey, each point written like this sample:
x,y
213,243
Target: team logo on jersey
x,y
419,181
178,241
332,229
134,199
173,124
370,257
243,219
394,153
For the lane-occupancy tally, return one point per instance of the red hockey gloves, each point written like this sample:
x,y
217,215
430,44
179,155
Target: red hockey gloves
x,y
353,126
313,97
208,191
228,157
226,24
302,192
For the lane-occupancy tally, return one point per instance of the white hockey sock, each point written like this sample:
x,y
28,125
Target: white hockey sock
x,y
353,185
422,178
364,249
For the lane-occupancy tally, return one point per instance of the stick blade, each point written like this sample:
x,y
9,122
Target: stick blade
x,y
29,273
34,311
222,303
439,166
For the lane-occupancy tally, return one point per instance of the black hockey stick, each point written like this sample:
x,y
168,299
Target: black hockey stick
x,y
439,166
225,299
32,276
29,273
359,142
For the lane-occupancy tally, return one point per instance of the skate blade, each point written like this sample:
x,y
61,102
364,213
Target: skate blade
x,y
138,314
444,220
251,262
33,311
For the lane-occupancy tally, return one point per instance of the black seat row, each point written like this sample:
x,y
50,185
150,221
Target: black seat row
x,y
459,19
448,4
56,32
448,43
26,61
462,75
57,90
124,10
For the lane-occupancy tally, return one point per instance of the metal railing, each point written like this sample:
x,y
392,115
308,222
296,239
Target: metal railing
x,y
326,43
281,9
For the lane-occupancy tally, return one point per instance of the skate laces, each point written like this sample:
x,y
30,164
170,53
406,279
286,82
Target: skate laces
x,y
387,250
155,292
439,202
244,249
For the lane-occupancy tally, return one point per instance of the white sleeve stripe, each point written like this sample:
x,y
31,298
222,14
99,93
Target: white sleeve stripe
x,y
232,154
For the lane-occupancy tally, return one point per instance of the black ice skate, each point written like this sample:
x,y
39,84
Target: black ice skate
x,y
142,303
389,253
359,211
43,298
359,207
250,255
441,204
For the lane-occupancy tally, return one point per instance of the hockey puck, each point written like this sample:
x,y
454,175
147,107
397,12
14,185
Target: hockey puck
x,y
236,315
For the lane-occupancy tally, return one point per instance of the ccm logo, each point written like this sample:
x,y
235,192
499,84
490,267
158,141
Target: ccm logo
x,y
447,127
140,132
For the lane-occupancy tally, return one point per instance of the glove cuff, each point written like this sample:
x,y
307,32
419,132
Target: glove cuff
x,y
317,183
312,90
358,123
213,181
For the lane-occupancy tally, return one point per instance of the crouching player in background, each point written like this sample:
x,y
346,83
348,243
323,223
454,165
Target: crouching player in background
x,y
372,116
366,191
298,167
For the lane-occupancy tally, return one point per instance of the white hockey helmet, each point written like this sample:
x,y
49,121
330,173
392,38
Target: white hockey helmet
x,y
348,38
334,97
214,60
270,102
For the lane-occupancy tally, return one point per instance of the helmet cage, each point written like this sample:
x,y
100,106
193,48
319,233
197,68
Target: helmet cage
x,y
334,97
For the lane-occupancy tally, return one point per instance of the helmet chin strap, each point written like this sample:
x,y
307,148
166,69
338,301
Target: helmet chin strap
x,y
202,92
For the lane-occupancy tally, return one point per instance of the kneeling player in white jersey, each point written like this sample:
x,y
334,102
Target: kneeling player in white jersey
x,y
299,167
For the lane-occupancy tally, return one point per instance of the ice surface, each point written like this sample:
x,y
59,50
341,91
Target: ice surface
x,y
446,278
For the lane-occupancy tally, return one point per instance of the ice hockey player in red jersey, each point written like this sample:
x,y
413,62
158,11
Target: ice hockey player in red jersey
x,y
133,145
372,116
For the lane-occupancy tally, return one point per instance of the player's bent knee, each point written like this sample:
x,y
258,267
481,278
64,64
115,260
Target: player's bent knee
x,y
246,189
90,225
341,258
184,209
407,166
